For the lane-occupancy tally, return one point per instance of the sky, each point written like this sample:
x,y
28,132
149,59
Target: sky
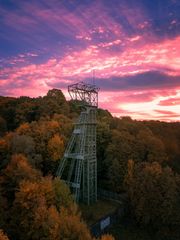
x,y
132,46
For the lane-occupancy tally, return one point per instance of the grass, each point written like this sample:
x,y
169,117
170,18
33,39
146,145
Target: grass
x,y
91,214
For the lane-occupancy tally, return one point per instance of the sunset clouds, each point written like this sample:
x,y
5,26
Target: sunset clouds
x,y
134,50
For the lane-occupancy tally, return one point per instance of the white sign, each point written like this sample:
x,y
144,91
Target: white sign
x,y
104,223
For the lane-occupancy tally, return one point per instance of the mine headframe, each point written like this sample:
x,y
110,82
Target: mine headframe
x,y
78,167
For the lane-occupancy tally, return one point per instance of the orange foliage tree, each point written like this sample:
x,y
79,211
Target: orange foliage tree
x,y
37,213
55,147
3,236
17,170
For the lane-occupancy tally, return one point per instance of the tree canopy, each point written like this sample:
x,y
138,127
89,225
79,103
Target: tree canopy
x,y
140,158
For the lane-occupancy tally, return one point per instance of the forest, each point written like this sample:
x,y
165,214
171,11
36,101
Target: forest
x,y
140,158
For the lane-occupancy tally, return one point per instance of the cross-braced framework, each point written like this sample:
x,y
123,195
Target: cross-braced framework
x,y
86,93
79,164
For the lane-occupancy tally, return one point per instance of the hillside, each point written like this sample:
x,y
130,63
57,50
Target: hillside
x,y
141,158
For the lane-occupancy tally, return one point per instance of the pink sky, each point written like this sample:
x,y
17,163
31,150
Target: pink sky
x,y
137,70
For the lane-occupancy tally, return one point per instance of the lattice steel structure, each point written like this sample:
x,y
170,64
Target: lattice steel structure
x,y
79,164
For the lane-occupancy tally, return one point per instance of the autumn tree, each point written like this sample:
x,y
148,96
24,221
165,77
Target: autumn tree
x,y
117,154
3,209
30,205
63,195
54,102
149,147
46,141
4,153
3,126
22,144
152,191
7,110
72,227
107,237
65,124
17,170
39,212
103,139
25,110
55,147
3,236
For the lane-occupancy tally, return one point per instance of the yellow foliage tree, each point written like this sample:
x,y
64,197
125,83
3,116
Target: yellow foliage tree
x,y
35,215
31,203
55,147
72,227
63,195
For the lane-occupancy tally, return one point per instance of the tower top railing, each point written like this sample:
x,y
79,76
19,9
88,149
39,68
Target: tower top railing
x,y
86,93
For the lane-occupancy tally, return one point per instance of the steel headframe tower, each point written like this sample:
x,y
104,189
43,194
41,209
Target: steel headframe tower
x,y
79,164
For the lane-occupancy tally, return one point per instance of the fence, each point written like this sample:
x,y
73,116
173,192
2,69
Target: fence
x,y
119,197
105,222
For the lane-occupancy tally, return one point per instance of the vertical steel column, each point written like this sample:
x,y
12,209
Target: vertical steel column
x,y
89,189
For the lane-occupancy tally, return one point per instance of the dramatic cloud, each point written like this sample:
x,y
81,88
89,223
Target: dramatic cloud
x,y
170,102
133,48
